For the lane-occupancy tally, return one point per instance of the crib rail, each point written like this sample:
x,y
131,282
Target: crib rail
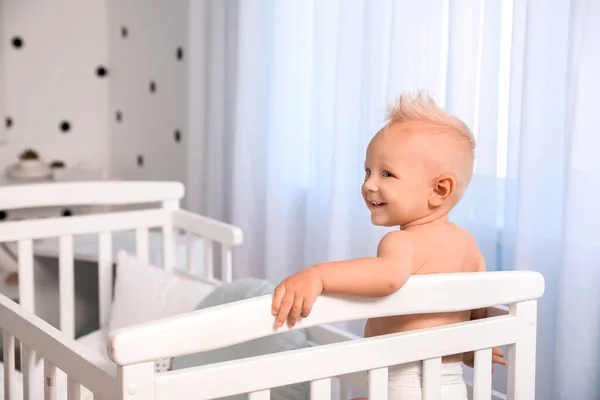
x,y
82,366
81,225
89,193
251,319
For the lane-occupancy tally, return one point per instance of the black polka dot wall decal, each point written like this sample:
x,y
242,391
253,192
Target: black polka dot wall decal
x,y
17,42
101,71
152,86
177,136
66,212
57,164
3,215
124,32
119,116
140,160
179,53
65,126
8,122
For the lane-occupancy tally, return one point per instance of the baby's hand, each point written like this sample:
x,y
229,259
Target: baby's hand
x,y
294,297
497,358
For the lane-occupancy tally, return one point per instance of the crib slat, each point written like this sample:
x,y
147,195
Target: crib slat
x,y
105,276
320,389
169,259
169,253
189,238
432,379
67,285
49,381
260,395
27,366
209,263
8,346
26,278
378,384
482,380
141,244
226,263
73,389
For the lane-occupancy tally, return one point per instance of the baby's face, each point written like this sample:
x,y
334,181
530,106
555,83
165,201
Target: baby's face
x,y
397,178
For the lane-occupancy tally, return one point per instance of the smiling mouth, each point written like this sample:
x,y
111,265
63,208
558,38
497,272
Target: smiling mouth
x,y
376,204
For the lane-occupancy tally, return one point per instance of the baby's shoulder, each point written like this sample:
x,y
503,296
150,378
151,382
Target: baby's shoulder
x,y
397,238
471,253
464,235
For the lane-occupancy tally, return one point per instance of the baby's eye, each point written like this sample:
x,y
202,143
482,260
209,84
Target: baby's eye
x,y
367,171
388,174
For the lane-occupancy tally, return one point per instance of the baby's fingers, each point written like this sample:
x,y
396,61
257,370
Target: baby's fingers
x,y
295,311
284,311
307,306
499,360
277,299
498,356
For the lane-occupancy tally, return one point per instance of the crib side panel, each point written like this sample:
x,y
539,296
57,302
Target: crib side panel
x,y
64,230
315,364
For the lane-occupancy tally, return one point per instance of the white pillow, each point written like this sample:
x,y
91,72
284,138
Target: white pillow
x,y
144,292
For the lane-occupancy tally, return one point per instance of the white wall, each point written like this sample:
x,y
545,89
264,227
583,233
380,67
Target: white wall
x,y
52,78
148,53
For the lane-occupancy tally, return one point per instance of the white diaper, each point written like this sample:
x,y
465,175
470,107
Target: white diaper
x,y
404,382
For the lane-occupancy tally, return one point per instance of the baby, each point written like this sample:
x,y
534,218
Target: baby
x,y
417,168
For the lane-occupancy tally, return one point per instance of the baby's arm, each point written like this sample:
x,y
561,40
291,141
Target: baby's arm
x,y
372,276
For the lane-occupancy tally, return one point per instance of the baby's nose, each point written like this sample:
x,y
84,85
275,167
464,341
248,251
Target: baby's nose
x,y
370,185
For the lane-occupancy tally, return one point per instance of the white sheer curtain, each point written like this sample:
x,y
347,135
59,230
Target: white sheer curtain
x,y
285,95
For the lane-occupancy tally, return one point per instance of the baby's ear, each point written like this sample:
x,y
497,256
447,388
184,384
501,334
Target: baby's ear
x,y
443,187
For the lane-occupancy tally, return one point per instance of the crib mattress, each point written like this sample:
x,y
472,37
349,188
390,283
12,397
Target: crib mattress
x,y
94,341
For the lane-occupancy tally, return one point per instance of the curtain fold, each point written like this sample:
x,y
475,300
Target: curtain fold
x,y
285,95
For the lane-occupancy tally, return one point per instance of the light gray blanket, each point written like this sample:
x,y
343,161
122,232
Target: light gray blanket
x,y
240,290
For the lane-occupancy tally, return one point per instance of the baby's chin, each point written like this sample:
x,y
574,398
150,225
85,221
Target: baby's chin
x,y
378,220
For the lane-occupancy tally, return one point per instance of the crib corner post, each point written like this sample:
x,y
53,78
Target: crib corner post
x,y
522,354
136,382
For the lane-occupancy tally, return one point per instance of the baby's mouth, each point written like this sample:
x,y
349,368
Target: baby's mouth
x,y
377,204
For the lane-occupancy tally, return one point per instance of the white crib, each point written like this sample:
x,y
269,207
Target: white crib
x,y
337,355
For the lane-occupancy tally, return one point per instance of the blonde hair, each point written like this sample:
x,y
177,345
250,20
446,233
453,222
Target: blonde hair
x,y
422,108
